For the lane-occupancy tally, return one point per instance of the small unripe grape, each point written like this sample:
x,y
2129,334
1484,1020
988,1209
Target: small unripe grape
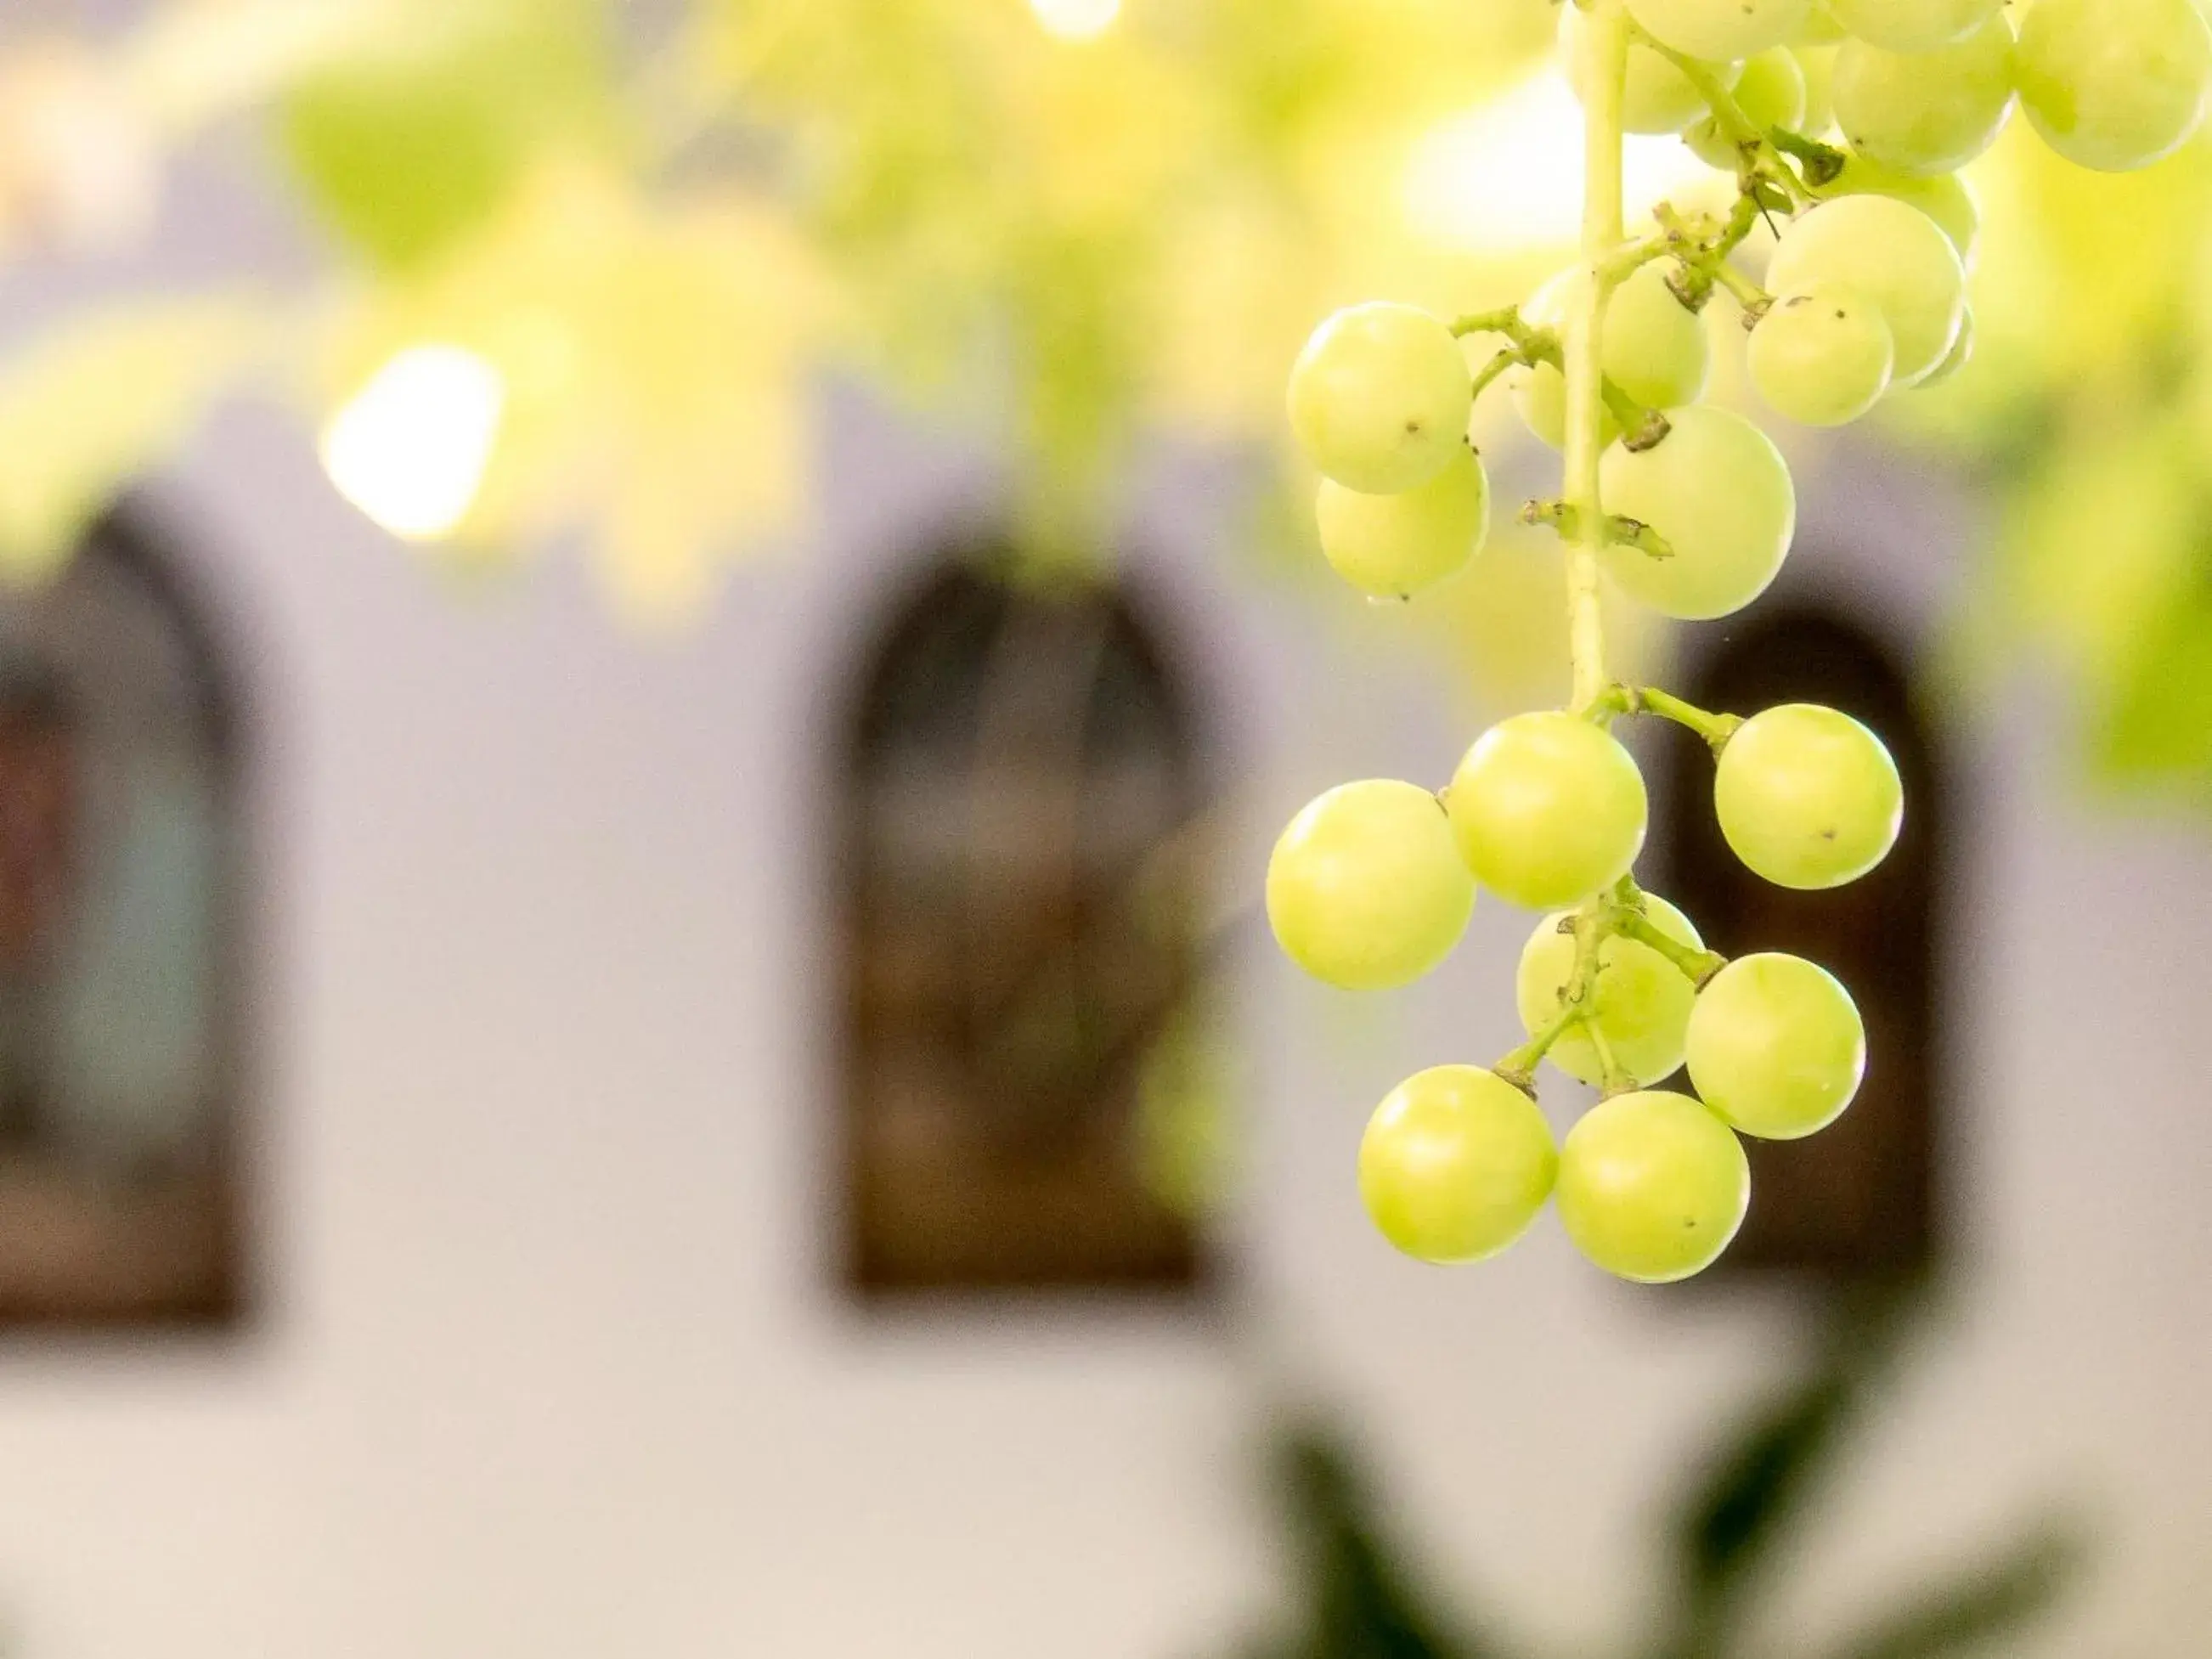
x,y
1913,24
1822,356
1926,111
1807,797
1776,1046
2114,84
1393,546
1367,889
1945,197
1380,397
1655,350
1652,1187
1962,353
1895,256
1549,809
1771,94
1657,97
1640,1003
1455,1163
1725,31
1719,493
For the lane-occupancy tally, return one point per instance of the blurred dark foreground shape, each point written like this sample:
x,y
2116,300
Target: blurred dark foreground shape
x,y
1730,1527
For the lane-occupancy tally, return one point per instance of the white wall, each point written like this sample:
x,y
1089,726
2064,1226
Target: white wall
x,y
550,1366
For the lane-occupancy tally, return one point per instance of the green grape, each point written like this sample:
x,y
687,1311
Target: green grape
x,y
1817,64
1656,351
1725,31
1657,98
1820,27
1913,24
1926,111
2115,84
1549,809
1393,546
1822,356
1640,1003
1776,1046
1946,198
1717,491
1381,397
1367,889
1455,1163
1894,254
1807,797
1962,353
1652,1187
1771,94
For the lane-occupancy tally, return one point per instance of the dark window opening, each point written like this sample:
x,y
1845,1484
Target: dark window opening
x,y
1859,1200
1019,905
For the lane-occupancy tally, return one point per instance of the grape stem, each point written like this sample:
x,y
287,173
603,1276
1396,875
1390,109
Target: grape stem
x,y
1613,1080
1698,966
1767,151
1602,131
1531,345
1714,729
1617,913
1590,926
1509,358
1620,530
1705,262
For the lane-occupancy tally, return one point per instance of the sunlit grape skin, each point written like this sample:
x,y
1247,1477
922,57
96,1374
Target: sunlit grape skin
x,y
1945,197
1455,1164
1807,797
1926,113
1656,351
1962,353
1771,94
1548,810
1776,1047
1718,491
1640,1004
1657,97
2114,84
1725,31
1892,253
1652,1187
1380,397
1396,546
1913,24
1822,357
1367,889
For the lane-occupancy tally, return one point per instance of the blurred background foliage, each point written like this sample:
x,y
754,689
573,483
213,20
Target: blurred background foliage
x,y
1730,1531
585,265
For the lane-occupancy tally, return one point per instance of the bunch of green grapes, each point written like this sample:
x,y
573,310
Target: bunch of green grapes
x,y
1843,123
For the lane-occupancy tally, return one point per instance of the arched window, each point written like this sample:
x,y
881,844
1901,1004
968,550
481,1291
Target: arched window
x,y
1019,924
1859,1199
119,947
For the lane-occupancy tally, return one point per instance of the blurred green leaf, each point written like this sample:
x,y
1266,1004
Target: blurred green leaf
x,y
1998,1599
2159,717
1732,1520
1363,1603
407,149
97,401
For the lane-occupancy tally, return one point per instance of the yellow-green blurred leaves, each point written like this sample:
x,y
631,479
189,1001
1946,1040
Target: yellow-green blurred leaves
x,y
407,146
100,399
654,360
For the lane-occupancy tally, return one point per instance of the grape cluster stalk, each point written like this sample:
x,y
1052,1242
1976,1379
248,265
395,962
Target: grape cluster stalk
x,y
1843,123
